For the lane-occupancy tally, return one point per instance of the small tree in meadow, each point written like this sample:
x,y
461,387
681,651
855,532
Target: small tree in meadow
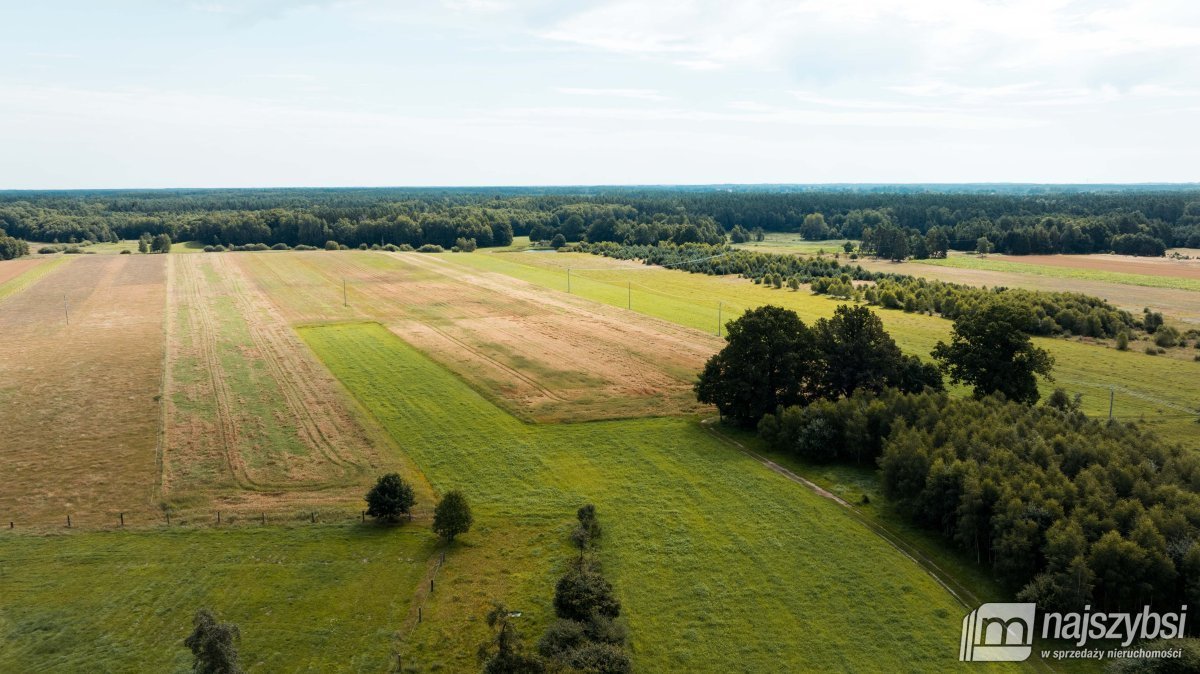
x,y
390,498
213,645
452,516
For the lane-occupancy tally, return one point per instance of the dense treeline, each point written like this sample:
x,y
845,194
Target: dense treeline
x,y
772,359
908,220
11,247
1048,313
1065,510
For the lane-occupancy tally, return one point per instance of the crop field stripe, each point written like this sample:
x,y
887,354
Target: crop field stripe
x,y
32,274
762,574
1126,278
256,422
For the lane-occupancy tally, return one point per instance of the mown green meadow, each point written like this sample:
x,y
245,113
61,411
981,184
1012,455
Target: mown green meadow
x,y
308,598
1160,391
721,564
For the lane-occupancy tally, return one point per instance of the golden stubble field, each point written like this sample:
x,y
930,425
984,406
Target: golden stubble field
x,y
81,400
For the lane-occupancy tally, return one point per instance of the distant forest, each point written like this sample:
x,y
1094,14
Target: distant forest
x,y
893,221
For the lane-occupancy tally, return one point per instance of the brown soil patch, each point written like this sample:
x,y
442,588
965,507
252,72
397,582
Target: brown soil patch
x,y
544,355
80,399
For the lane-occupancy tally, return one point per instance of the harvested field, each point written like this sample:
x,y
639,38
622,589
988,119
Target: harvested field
x,y
1124,264
1154,389
81,399
17,275
543,355
253,421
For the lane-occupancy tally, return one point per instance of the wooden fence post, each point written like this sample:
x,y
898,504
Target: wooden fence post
x,y
122,519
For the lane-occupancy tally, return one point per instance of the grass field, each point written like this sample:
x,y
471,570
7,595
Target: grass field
x,y
312,598
1160,391
762,574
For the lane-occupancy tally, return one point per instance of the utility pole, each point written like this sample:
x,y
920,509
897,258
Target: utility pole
x,y
66,313
1111,394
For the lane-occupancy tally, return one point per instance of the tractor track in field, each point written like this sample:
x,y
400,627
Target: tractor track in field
x,y
300,394
205,324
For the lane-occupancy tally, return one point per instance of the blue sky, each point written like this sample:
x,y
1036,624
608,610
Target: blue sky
x,y
499,92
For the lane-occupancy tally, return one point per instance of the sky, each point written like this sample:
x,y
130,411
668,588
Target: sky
x,y
123,94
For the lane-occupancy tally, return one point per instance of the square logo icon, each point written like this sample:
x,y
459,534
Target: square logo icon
x,y
998,633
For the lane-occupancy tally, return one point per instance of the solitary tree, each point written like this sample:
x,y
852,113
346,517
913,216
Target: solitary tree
x,y
213,645
769,360
144,243
983,246
161,244
452,516
990,350
390,498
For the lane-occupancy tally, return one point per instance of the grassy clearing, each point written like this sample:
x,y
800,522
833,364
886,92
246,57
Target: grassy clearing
x,y
1160,391
722,565
990,264
312,598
